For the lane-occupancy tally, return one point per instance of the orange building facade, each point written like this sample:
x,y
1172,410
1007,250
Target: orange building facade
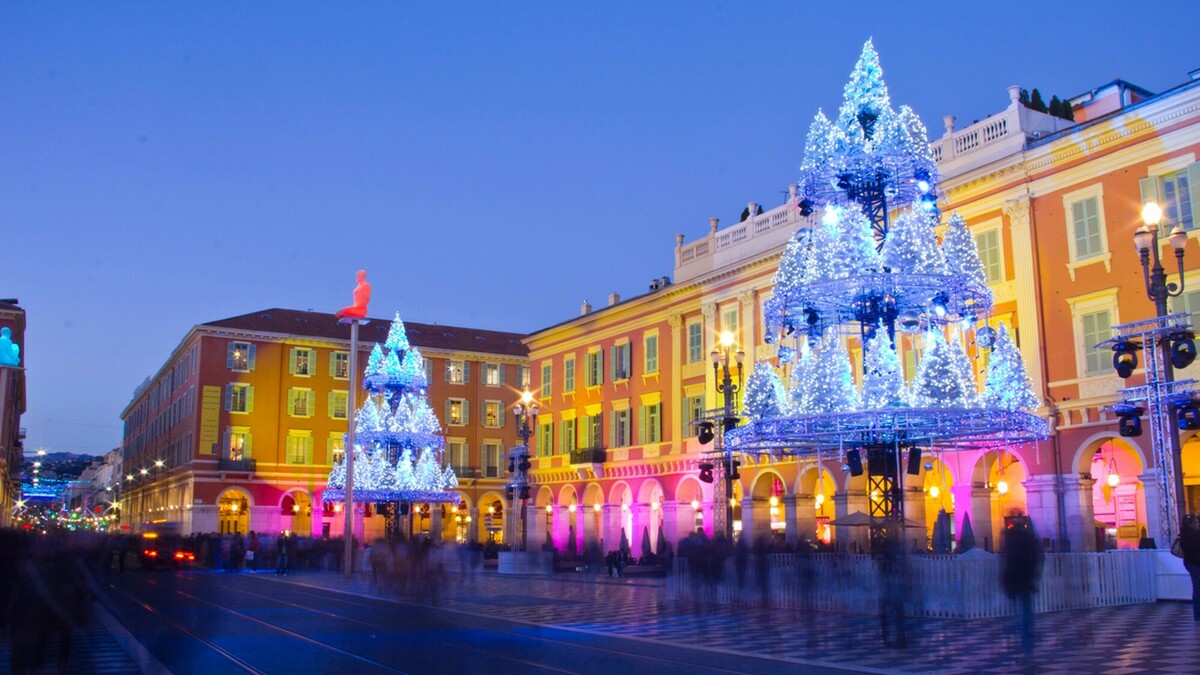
x,y
1052,204
239,429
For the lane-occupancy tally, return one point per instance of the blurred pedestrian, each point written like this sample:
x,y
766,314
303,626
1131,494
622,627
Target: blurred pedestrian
x,y
252,551
1022,570
1189,541
893,587
285,552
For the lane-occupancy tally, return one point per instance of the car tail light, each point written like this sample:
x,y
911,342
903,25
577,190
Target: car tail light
x,y
150,553
179,555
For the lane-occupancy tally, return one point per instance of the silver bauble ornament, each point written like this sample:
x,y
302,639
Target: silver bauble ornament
x,y
909,320
985,337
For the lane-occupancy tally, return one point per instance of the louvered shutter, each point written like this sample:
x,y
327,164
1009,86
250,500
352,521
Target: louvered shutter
x,y
483,414
501,367
628,360
600,367
228,436
308,450
613,363
1193,176
229,357
447,370
1149,188
503,408
612,429
250,361
581,431
447,417
292,361
228,397
246,446
466,411
250,398
466,371
641,425
330,403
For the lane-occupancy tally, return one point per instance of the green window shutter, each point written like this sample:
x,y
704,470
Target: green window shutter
x,y
332,360
228,441
641,424
466,411
428,370
466,371
615,374
584,432
627,360
229,358
228,397
312,403
1193,176
483,414
600,369
658,423
329,404
501,367
447,417
1149,186
246,446
308,450
250,398
253,353
503,408
612,429
292,361
447,370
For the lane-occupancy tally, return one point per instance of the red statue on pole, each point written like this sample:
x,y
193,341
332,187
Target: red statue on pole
x,y
362,296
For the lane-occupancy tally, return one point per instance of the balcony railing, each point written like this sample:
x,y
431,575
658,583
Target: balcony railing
x,y
247,465
596,455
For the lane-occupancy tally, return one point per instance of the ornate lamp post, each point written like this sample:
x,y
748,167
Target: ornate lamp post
x,y
723,363
525,412
1158,290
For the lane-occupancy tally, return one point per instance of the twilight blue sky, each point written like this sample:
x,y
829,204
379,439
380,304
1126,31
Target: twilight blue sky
x,y
489,164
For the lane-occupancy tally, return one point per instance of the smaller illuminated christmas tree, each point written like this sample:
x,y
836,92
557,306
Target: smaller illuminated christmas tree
x,y
830,381
799,399
944,377
1007,385
911,246
883,380
962,256
764,392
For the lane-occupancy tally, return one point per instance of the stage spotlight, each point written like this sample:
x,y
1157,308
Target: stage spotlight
x,y
1187,416
733,471
706,435
706,472
806,207
1125,358
1129,420
843,181
1183,350
854,461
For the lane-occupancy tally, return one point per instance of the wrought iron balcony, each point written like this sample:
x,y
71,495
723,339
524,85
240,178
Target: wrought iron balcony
x,y
596,455
465,471
247,465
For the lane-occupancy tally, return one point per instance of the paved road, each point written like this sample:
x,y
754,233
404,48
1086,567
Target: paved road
x,y
319,622
198,622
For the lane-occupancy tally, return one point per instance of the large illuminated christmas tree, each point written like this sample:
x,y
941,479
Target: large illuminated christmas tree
x,y
398,440
865,269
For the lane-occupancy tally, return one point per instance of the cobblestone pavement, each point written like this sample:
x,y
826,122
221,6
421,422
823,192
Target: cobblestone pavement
x,y
1146,638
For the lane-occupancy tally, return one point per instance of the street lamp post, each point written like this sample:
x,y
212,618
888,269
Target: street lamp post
x,y
1159,290
722,362
525,412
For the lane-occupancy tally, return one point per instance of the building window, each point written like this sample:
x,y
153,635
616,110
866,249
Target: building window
x,y
339,365
493,374
490,465
237,443
650,423
301,402
595,369
336,447
545,439
621,429
301,362
299,447
547,371
1097,327
337,404
239,398
621,362
729,320
568,436
456,412
240,357
651,365
523,377
1087,228
988,243
458,455
1176,201
593,431
493,414
458,372
695,342
693,411
569,374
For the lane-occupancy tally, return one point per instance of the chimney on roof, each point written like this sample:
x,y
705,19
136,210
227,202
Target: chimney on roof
x,y
585,308
613,298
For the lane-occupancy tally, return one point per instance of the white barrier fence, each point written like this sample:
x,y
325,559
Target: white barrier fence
x,y
958,586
